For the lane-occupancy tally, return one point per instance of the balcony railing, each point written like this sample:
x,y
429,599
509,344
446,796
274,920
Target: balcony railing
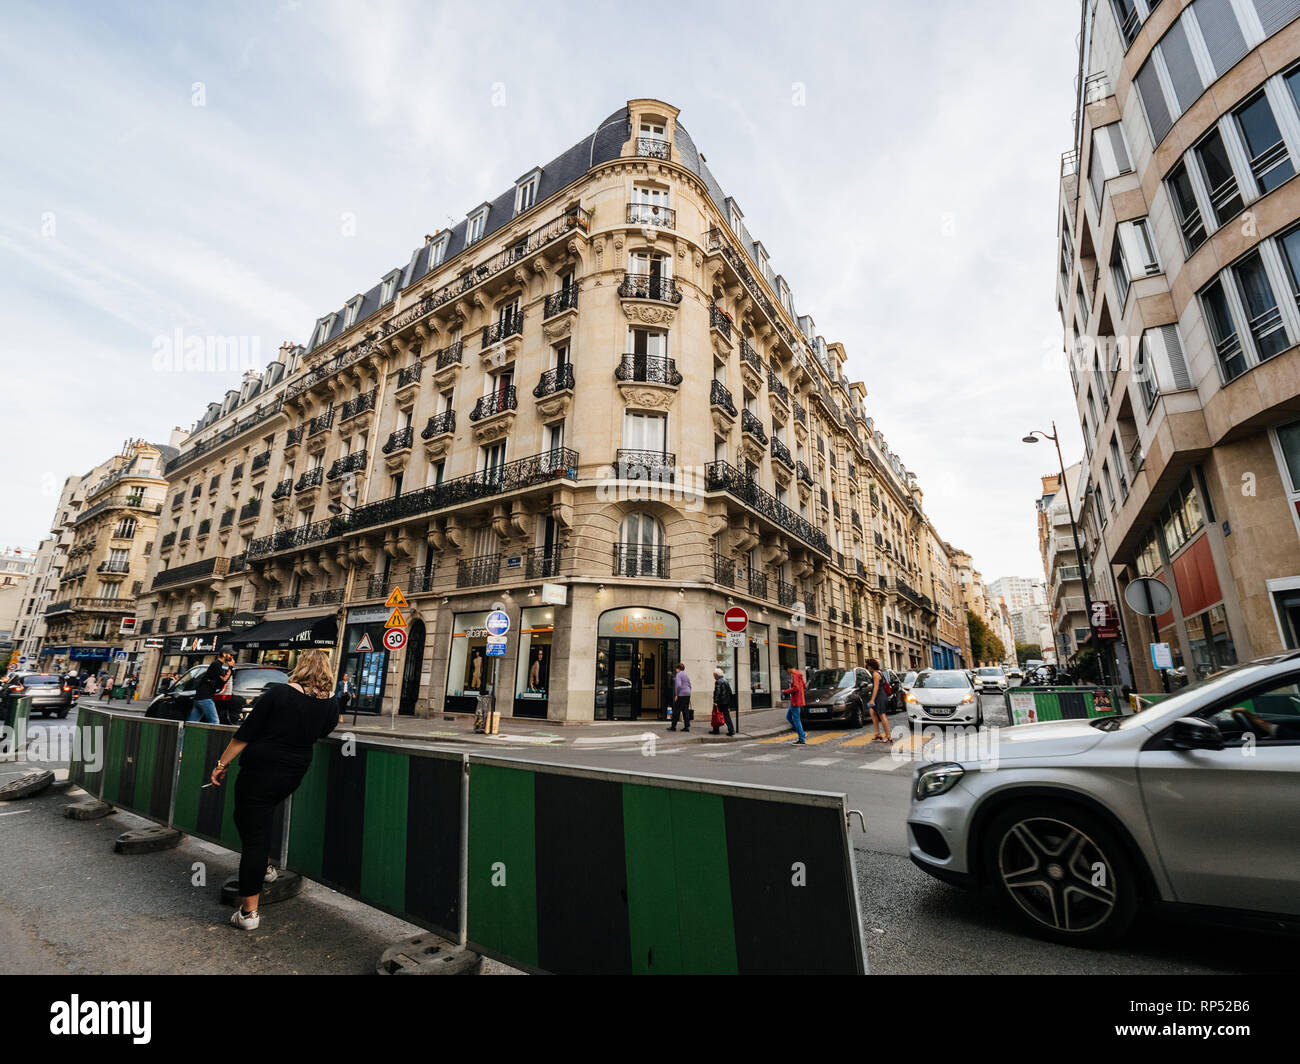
x,y
251,509
349,463
724,571
542,562
450,355
648,369
749,356
653,148
311,479
178,499
478,571
497,403
720,320
119,502
410,374
800,414
720,396
118,567
320,423
757,582
803,473
200,570
639,559
565,299
359,404
543,468
751,426
124,603
559,379
785,593
782,453
293,437
399,440
778,389
646,286
723,476
503,330
419,579
715,240
325,597
651,214
645,465
439,425
288,602
235,430
282,491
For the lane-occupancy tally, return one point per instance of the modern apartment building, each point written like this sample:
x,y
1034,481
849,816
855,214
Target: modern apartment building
x,y
110,518
592,403
1069,616
1178,283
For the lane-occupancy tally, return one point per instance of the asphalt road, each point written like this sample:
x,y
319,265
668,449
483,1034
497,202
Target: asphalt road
x,y
61,885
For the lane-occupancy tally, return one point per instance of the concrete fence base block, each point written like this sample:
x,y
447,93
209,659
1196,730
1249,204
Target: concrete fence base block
x,y
285,886
26,786
428,955
92,809
147,840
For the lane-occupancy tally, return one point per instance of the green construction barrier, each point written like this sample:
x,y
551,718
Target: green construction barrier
x,y
383,824
140,766
575,870
17,710
1035,705
209,812
90,758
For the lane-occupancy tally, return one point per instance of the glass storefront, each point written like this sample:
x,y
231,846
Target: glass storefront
x,y
787,650
1211,641
469,672
760,678
636,649
811,658
365,660
533,671
724,655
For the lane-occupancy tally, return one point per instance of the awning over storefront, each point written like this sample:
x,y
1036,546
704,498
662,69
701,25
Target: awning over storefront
x,y
287,634
190,645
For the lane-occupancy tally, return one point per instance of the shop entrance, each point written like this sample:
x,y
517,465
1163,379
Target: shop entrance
x,y
636,650
411,673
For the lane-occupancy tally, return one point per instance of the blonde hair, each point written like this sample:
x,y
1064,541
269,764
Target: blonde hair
x,y
313,674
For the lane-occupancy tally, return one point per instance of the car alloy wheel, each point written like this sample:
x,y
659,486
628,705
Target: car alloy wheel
x,y
855,715
1064,873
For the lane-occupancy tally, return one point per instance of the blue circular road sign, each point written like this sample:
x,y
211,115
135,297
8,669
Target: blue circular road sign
x,y
498,622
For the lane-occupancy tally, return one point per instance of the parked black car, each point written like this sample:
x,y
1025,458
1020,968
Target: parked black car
x,y
49,693
836,694
249,682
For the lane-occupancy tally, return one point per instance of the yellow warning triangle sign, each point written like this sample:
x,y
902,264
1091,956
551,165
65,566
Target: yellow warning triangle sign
x,y
396,620
396,599
365,646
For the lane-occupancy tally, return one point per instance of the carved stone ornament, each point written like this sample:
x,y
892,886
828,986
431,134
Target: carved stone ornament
x,y
554,406
496,429
649,313
438,446
559,328
647,397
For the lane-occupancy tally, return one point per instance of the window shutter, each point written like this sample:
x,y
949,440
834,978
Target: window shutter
x,y
1122,163
1274,14
1177,54
1153,102
1222,35
1174,352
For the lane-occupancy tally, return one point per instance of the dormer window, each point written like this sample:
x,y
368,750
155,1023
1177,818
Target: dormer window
x,y
323,328
350,314
526,191
477,225
386,292
438,249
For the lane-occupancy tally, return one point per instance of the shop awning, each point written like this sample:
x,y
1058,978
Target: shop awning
x,y
286,634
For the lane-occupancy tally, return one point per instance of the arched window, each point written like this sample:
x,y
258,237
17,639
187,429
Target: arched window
x,y
641,550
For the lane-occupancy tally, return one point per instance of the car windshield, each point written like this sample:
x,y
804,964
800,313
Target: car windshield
x,y
910,677
832,678
40,681
942,678
1227,678
990,672
257,679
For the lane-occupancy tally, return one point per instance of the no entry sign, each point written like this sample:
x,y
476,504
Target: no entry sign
x,y
736,619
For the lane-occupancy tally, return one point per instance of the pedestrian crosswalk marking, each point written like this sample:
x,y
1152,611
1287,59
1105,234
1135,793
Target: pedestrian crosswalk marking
x,y
913,742
813,737
819,762
766,757
884,764
718,753
859,740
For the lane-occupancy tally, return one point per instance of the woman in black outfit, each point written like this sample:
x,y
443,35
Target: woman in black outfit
x,y
276,739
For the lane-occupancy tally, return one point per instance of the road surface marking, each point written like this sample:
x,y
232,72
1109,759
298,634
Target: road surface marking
x,y
766,757
858,740
718,753
820,762
813,739
16,812
913,742
884,764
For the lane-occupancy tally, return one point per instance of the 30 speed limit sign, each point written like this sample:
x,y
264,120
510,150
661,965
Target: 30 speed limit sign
x,y
395,638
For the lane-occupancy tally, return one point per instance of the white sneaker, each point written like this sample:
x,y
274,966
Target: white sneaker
x,y
271,874
245,923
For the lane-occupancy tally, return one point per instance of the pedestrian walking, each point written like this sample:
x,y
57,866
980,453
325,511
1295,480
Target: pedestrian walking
x,y
212,682
132,683
878,704
681,698
795,689
91,687
343,692
107,690
276,740
723,700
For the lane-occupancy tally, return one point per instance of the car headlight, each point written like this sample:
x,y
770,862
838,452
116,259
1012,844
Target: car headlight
x,y
936,779
912,698
970,696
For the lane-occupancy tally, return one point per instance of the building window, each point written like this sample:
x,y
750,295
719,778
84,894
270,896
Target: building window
x,y
1269,161
1179,186
477,226
1109,158
1264,317
1216,168
386,292
1227,343
438,249
1221,33
526,191
1127,19
1119,272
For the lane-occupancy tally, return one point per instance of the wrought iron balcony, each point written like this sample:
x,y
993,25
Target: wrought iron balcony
x,y
653,148
113,567
234,431
376,586
260,462
646,286
62,606
786,594
721,397
720,320
359,405
282,491
502,330
724,571
715,240
853,471
565,299
399,440
293,437
238,563
825,499
320,423
645,465
497,403
439,425
749,356
409,375
419,579
253,507
802,472
311,479
751,426
639,559
195,571
723,476
648,369
328,597
778,389
349,463
450,355
287,602
800,414
478,571
538,469
782,453
835,507
542,562
757,582
856,519
559,379
651,214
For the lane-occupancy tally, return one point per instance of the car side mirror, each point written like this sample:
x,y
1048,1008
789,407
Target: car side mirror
x,y
1192,733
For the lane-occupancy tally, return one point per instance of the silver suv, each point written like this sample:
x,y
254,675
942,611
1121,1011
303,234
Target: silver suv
x,y
1192,805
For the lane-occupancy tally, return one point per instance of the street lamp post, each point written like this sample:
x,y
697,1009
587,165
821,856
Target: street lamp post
x,y
1078,550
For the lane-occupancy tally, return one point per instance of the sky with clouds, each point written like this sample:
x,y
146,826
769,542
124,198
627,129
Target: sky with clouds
x,y
240,169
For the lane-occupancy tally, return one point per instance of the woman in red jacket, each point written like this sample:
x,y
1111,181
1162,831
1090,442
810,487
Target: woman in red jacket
x,y
794,689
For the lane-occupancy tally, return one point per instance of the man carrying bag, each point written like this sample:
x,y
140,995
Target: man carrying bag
x,y
723,700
